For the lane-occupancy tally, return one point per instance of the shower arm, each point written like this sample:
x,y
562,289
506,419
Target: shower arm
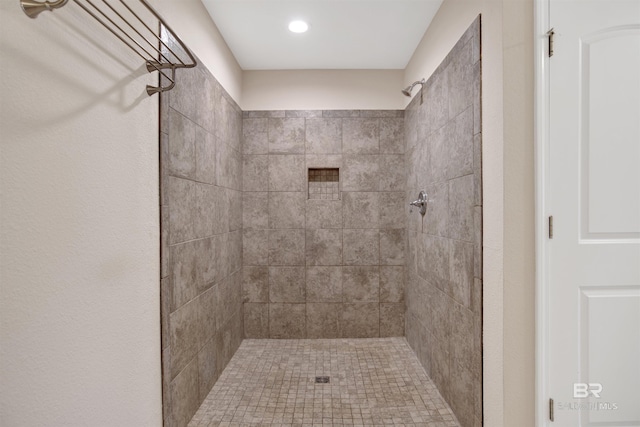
x,y
407,91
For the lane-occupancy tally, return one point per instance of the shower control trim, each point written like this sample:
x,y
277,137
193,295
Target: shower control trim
x,y
420,203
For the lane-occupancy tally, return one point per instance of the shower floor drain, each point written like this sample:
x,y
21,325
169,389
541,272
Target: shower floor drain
x,y
322,380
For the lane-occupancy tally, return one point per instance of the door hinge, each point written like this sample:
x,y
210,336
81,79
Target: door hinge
x,y
551,410
550,35
551,226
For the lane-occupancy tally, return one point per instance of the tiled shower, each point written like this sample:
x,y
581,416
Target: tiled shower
x,y
295,225
323,267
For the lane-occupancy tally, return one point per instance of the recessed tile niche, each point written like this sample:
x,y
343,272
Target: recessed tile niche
x,y
324,183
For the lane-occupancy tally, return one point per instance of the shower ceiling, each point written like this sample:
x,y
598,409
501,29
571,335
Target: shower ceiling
x,y
343,34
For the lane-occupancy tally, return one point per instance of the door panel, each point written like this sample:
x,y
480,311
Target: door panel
x,y
593,194
609,355
609,70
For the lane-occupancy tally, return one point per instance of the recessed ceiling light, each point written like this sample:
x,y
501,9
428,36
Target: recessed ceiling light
x,y
298,26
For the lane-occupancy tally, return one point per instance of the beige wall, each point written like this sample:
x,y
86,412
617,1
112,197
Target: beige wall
x,y
191,21
519,207
507,67
79,305
323,90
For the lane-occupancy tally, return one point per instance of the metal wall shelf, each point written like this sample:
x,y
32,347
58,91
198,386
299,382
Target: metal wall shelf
x,y
123,19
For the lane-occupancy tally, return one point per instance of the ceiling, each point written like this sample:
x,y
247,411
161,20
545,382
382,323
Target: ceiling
x,y
343,34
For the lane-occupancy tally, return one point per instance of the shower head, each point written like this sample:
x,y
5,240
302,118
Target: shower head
x,y
407,91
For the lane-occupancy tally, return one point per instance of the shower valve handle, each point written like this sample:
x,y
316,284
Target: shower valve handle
x,y
421,202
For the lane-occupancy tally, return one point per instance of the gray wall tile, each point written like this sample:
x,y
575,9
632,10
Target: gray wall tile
x,y
222,208
235,206
201,184
255,173
460,144
360,136
303,113
255,247
264,114
286,135
437,100
255,136
361,173
255,284
461,346
183,337
182,145
323,247
381,113
207,374
392,243
392,284
477,242
228,297
287,209
255,210
206,321
391,210
391,320
324,160
165,303
444,258
436,219
324,284
287,321
234,251
360,320
323,320
461,208
323,213
228,168
477,169
286,247
460,80
323,136
392,172
256,320
361,210
340,113
361,284
287,284
361,247
184,395
315,237
392,136
183,258
462,396
287,173
182,204
461,272
205,157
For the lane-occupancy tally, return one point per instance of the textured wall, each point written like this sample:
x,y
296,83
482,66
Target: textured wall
x,y
323,268
444,286
79,236
201,198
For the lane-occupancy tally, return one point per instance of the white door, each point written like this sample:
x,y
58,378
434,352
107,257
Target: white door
x,y
593,194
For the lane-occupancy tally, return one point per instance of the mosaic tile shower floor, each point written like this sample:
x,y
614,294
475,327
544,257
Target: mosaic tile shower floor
x,y
372,382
